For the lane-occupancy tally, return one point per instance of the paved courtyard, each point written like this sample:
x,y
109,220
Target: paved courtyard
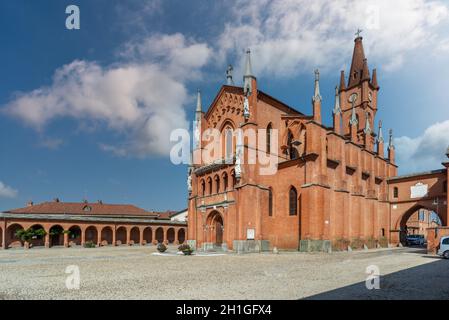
x,y
136,273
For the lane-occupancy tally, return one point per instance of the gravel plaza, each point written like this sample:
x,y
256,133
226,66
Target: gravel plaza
x,y
139,273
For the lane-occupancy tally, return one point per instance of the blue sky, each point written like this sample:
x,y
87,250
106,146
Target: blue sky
x,y
87,113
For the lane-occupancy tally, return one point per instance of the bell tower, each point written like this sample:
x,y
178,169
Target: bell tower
x,y
359,94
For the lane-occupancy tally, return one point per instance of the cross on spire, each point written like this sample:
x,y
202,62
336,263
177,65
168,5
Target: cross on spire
x,y
359,31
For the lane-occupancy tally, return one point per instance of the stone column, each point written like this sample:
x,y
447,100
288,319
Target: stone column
x,y
114,236
98,237
165,236
128,236
176,241
4,235
66,240
141,236
47,240
83,237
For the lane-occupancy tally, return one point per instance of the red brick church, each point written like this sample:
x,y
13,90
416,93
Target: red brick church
x,y
330,188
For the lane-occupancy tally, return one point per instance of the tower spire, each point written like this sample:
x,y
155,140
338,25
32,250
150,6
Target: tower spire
x,y
380,136
391,152
374,80
199,105
380,141
342,81
367,129
317,96
337,112
358,61
248,76
390,139
316,99
229,80
337,108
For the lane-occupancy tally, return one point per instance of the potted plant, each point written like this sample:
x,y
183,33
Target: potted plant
x,y
186,249
161,247
25,236
89,244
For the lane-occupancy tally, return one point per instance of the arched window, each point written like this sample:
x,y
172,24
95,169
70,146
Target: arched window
x,y
293,153
228,143
293,201
225,181
217,184
270,202
395,192
445,186
210,185
269,130
203,188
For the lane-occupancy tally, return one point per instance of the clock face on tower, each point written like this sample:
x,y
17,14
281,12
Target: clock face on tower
x,y
353,98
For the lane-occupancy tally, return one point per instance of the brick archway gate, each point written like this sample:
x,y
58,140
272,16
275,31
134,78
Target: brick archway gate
x,y
410,193
215,229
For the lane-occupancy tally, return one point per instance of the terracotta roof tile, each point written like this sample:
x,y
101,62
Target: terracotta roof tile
x,y
83,208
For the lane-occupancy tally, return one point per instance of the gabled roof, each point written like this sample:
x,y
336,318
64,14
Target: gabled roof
x,y
261,95
82,208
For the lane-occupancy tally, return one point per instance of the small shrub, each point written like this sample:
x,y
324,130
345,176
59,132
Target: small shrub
x,y
356,244
89,244
371,243
161,247
340,244
186,249
383,241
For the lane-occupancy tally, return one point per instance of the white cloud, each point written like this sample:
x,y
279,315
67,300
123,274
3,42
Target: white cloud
x,y
7,192
292,36
142,98
425,152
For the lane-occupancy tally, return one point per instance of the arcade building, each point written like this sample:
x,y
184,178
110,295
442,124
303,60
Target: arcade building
x,y
334,187
72,224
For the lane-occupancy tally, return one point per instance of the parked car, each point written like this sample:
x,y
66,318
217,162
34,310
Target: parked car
x,y
443,247
415,240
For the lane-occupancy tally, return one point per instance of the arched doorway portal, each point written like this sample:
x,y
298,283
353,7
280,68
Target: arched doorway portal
x,y
215,227
148,235
106,236
12,240
92,235
75,236
415,222
181,236
38,240
160,235
171,235
135,235
56,236
120,236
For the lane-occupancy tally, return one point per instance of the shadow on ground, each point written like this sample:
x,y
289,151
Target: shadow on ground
x,y
427,281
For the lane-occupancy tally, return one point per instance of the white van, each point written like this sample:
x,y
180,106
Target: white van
x,y
443,248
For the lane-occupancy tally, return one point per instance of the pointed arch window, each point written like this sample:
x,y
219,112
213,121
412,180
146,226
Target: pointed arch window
x,y
269,130
225,182
210,185
228,143
203,188
396,192
293,201
217,184
270,202
292,151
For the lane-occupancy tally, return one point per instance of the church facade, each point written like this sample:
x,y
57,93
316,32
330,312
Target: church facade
x,y
330,186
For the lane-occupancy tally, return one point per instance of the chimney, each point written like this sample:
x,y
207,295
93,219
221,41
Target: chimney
x,y
100,201
30,203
